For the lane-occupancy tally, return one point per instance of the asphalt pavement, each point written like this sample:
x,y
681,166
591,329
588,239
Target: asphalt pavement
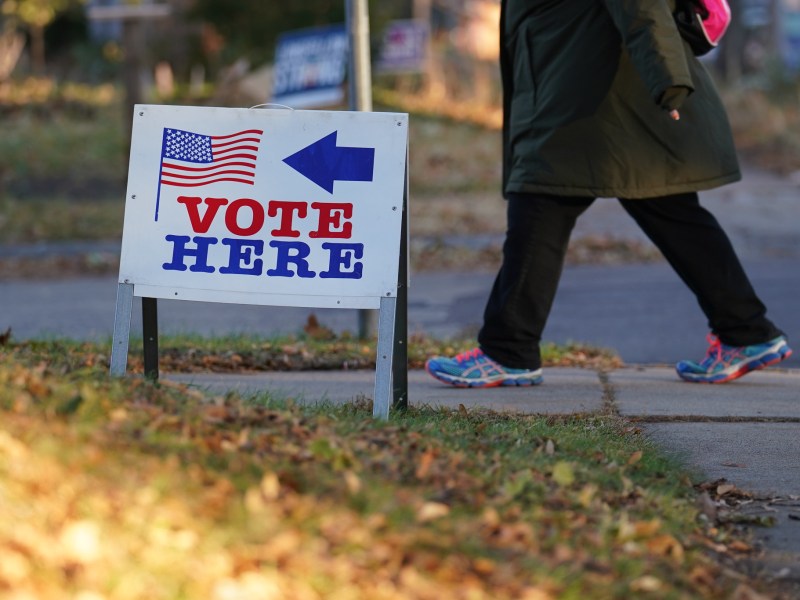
x,y
747,431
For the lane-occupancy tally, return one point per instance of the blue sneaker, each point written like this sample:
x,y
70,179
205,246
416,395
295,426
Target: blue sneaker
x,y
725,363
475,369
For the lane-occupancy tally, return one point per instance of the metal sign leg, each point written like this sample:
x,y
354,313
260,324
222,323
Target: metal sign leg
x,y
400,363
384,359
150,333
122,329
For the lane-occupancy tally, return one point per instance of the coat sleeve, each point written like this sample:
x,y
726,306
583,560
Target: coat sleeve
x,y
652,40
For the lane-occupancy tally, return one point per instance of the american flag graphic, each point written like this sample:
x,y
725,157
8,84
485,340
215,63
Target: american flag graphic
x,y
191,159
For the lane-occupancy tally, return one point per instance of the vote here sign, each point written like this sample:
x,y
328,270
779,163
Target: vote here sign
x,y
272,207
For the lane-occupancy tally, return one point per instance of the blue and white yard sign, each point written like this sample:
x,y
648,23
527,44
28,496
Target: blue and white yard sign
x,y
270,207
310,67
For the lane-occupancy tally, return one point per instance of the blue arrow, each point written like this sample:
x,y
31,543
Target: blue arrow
x,y
323,162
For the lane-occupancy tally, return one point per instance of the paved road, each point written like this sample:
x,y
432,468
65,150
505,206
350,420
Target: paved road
x,y
643,312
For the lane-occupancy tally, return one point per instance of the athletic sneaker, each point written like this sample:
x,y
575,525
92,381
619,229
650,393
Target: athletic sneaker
x,y
725,363
475,369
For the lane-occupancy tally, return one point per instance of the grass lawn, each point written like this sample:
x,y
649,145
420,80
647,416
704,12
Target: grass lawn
x,y
124,488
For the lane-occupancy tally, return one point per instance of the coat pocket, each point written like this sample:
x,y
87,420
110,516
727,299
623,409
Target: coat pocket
x,y
520,119
520,53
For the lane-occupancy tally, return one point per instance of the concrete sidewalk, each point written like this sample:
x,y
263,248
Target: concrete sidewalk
x,y
747,431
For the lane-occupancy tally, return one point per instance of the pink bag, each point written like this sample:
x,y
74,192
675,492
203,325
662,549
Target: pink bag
x,y
702,23
716,23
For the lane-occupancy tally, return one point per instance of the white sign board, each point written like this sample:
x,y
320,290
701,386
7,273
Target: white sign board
x,y
269,207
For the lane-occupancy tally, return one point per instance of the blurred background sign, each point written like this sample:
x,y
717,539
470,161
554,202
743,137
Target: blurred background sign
x,y
790,34
756,13
310,67
404,48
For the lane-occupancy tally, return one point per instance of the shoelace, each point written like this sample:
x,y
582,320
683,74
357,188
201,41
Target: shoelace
x,y
468,355
714,348
717,352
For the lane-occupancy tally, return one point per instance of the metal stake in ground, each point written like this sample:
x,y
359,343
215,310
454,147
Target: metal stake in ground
x,y
360,98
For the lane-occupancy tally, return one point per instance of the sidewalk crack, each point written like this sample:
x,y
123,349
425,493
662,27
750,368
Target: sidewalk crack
x,y
609,398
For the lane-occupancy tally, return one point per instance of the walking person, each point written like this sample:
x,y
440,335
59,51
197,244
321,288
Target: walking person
x,y
604,99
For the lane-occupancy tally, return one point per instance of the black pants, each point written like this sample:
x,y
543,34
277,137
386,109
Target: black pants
x,y
689,237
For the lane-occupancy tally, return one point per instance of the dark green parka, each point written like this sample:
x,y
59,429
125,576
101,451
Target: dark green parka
x,y
583,82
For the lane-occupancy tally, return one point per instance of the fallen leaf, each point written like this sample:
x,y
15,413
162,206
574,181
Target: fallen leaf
x,y
647,528
587,494
666,545
549,447
352,482
430,511
270,486
563,473
535,594
249,585
646,583
725,488
80,541
214,413
483,566
703,575
490,517
316,331
740,546
425,462
118,415
14,566
707,507
635,457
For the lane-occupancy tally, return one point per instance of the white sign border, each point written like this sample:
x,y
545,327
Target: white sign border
x,y
148,287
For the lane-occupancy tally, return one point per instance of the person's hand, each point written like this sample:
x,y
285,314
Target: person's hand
x,y
672,99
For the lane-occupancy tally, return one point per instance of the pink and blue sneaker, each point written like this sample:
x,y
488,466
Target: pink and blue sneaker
x,y
474,369
725,363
